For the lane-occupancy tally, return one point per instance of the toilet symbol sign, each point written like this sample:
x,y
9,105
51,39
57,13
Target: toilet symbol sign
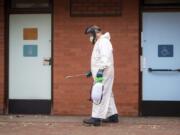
x,y
165,50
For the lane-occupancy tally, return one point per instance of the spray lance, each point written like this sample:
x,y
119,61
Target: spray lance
x,y
74,76
87,74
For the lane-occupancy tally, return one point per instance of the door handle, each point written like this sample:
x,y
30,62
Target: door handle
x,y
162,70
47,61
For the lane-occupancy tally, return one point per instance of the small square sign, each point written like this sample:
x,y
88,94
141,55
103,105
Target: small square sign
x,y
30,51
30,33
165,50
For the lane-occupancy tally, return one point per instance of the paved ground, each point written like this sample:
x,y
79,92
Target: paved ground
x,y
66,125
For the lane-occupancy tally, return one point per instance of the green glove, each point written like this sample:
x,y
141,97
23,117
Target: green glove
x,y
99,76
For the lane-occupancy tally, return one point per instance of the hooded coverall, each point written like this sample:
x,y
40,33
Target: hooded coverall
x,y
102,58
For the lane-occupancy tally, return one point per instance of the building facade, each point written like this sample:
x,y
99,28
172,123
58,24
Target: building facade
x,y
69,54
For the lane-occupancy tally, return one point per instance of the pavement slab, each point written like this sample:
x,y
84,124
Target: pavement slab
x,y
72,125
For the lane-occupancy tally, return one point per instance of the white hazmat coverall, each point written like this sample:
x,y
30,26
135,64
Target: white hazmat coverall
x,y
102,58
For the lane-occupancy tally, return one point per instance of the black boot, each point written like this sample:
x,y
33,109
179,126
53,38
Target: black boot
x,y
92,121
111,119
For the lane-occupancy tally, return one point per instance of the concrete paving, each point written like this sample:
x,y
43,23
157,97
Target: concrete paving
x,y
72,125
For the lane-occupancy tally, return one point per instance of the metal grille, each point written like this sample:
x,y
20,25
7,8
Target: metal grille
x,y
95,7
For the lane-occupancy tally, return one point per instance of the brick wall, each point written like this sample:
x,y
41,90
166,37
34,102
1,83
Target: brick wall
x,y
1,56
72,52
95,7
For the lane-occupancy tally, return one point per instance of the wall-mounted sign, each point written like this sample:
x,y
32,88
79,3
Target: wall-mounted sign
x,y
30,50
30,33
165,50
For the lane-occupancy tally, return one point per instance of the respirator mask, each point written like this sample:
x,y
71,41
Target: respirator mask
x,y
92,30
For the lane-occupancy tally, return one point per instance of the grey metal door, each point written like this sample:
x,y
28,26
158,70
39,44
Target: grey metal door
x,y
161,63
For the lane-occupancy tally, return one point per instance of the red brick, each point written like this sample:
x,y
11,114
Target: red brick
x,y
72,55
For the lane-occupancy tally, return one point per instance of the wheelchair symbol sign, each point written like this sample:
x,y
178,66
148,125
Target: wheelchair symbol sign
x,y
165,50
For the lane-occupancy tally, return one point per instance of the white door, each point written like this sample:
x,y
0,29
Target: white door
x,y
29,63
161,63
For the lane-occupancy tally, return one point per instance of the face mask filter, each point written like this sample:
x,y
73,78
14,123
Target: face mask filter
x,y
91,38
92,30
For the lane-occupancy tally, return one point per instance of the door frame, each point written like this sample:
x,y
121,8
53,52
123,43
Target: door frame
x,y
7,12
144,108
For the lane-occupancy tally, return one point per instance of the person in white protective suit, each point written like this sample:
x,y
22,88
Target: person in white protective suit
x,y
102,70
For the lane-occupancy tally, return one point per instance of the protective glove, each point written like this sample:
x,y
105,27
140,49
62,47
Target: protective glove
x,y
99,75
88,74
